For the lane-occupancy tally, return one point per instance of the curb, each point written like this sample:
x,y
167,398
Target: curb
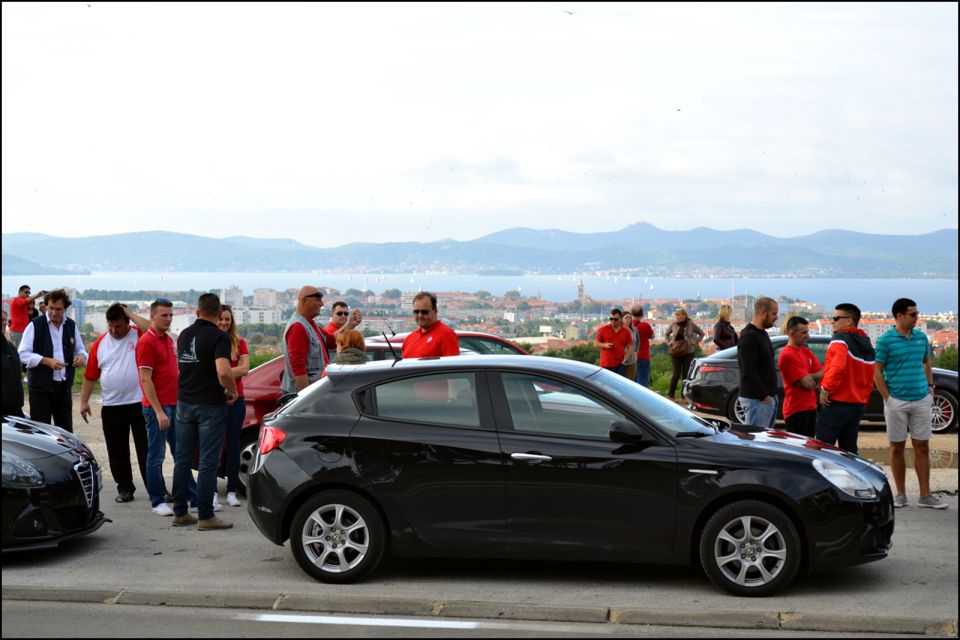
x,y
787,621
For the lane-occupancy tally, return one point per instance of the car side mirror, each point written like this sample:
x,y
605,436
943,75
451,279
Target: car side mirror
x,y
625,432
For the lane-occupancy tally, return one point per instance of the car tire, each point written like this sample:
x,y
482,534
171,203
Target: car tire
x,y
338,537
735,411
944,411
750,548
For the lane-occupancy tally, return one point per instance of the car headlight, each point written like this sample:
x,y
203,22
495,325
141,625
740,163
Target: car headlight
x,y
17,472
844,479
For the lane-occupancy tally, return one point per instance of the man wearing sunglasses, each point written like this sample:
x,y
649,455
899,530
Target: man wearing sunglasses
x,y
341,316
304,343
904,377
432,339
615,342
19,318
847,380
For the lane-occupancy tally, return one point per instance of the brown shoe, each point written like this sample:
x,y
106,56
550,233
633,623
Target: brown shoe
x,y
184,520
213,523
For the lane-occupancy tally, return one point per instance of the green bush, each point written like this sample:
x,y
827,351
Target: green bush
x,y
947,358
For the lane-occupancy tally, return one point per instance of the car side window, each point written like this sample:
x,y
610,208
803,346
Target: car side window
x,y
819,349
543,405
445,398
475,345
498,348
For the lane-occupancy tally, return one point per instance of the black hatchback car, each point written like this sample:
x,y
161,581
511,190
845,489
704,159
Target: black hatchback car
x,y
713,386
513,456
51,486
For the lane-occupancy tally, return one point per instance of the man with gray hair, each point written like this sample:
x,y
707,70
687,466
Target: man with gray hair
x,y
758,374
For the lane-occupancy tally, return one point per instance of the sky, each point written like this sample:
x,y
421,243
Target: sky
x,y
337,123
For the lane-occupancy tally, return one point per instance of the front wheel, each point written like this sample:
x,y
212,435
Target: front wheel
x,y
750,548
944,411
338,537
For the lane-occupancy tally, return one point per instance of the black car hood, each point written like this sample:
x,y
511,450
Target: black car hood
x,y
34,440
784,442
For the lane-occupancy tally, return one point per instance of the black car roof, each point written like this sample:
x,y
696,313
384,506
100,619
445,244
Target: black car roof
x,y
453,363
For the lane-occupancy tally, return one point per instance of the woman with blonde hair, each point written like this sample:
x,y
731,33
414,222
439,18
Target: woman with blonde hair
x,y
239,366
351,348
682,338
724,335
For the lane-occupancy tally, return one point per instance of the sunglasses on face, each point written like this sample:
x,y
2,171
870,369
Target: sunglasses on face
x,y
318,296
914,314
421,312
838,318
614,319
343,313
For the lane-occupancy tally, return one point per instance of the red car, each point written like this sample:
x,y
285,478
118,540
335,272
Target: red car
x,y
261,387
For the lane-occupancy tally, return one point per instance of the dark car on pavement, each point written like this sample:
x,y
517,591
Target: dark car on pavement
x,y
51,486
713,386
541,458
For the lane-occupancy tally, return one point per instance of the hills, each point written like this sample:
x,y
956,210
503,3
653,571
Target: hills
x,y
638,248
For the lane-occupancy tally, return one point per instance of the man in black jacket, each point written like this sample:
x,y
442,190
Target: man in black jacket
x,y
52,349
758,373
12,380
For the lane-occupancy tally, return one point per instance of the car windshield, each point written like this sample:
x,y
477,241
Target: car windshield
x,y
652,406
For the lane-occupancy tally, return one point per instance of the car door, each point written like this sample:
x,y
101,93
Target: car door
x,y
570,489
428,447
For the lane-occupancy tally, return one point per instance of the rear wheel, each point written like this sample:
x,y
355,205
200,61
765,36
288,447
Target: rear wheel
x,y
248,445
735,411
338,537
750,548
944,411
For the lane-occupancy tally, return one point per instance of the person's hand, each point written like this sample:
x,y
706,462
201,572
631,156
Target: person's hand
x,y
824,397
79,361
355,319
54,364
85,411
766,400
231,396
163,420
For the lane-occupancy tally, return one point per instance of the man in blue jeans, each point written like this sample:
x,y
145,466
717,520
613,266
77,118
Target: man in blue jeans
x,y
206,389
157,365
758,373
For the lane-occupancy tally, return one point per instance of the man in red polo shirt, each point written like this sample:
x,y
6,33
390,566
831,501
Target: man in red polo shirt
x,y
801,373
19,318
433,338
614,341
340,316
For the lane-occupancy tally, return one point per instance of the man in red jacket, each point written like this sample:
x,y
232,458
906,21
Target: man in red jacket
x,y
847,380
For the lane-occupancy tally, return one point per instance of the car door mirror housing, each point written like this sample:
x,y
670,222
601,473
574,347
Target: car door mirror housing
x,y
626,432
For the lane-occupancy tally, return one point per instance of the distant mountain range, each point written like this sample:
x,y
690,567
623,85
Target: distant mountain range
x,y
639,248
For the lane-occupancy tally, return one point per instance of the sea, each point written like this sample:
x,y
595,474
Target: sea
x,y
932,296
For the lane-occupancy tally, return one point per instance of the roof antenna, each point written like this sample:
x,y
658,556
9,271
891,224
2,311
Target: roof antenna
x,y
396,358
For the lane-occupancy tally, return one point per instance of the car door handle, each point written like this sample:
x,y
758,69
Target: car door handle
x,y
535,458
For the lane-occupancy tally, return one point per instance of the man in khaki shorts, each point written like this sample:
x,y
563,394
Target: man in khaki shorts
x,y
904,377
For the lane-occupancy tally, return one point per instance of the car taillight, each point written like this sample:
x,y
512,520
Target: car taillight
x,y
270,439
709,368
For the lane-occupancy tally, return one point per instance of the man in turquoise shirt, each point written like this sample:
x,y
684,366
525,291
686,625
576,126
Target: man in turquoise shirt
x,y
904,377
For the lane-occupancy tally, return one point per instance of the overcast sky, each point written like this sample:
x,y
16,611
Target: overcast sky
x,y
387,122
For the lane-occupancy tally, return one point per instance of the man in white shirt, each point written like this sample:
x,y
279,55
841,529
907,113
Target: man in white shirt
x,y
52,349
113,361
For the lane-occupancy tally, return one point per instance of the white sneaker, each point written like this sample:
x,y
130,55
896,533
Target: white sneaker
x,y
232,499
163,509
216,507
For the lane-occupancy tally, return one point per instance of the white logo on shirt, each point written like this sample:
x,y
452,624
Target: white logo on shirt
x,y
190,355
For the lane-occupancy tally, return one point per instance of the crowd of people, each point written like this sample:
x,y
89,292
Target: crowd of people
x,y
187,395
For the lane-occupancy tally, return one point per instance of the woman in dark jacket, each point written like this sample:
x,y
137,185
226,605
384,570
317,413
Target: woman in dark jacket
x,y
724,335
682,338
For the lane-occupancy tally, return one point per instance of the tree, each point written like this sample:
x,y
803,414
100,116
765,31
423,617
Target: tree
x,y
352,293
523,305
948,358
392,294
513,294
483,295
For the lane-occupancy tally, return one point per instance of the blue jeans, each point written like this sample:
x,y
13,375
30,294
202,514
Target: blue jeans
x,y
235,415
839,424
760,413
643,372
157,441
203,426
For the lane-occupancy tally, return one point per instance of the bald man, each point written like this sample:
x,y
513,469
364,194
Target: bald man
x,y
305,344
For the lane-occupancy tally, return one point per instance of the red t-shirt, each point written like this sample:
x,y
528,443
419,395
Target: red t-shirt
x,y
157,352
331,328
620,339
18,315
644,333
795,363
298,345
241,351
437,340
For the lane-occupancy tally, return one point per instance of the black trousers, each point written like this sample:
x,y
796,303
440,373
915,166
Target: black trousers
x,y
680,368
118,423
56,404
803,422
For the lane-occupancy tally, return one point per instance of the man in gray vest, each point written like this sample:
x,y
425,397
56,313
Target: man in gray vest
x,y
52,349
305,344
